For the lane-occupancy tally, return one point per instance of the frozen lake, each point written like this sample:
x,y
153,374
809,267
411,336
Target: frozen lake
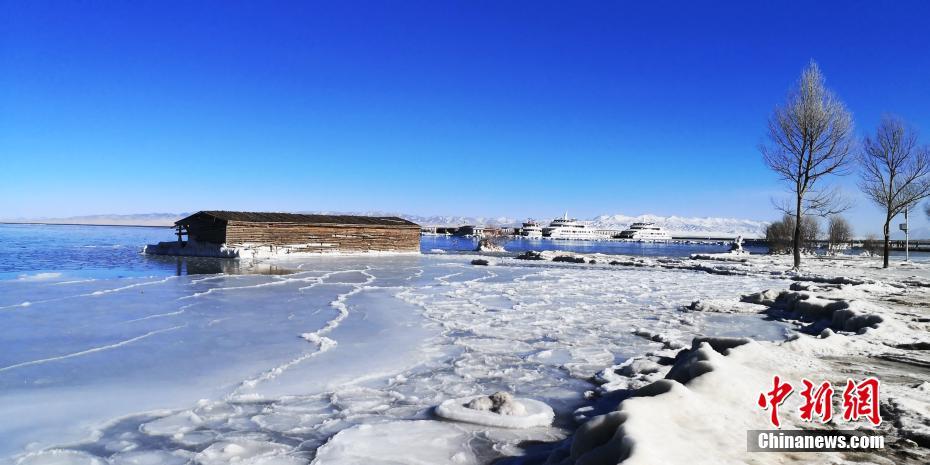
x,y
113,251
127,362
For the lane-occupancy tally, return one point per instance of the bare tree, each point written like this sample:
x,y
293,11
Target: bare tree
x,y
811,138
839,232
895,171
779,235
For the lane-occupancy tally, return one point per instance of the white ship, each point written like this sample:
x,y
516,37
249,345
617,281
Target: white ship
x,y
645,232
570,228
531,230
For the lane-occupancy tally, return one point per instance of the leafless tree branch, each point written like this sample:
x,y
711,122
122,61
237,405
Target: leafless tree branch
x,y
895,170
811,138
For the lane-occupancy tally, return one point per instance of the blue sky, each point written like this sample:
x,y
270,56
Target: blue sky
x,y
474,108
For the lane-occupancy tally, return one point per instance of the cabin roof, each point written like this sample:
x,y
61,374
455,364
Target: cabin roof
x,y
300,218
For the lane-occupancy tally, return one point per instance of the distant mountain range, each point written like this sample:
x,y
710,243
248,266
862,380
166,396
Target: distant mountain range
x,y
141,219
676,225
683,226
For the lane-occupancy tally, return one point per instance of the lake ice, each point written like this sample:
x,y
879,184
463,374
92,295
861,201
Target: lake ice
x,y
267,368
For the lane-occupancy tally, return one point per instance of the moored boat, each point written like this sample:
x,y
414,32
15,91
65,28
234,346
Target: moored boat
x,y
645,232
531,230
571,228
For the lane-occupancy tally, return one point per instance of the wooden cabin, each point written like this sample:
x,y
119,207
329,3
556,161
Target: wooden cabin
x,y
299,232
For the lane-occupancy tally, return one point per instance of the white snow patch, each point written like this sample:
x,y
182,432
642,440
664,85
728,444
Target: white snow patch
x,y
398,443
59,457
152,457
246,451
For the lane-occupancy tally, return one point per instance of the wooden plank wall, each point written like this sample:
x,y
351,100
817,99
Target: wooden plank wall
x,y
323,238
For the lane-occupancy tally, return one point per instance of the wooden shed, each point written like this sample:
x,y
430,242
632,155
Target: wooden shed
x,y
300,232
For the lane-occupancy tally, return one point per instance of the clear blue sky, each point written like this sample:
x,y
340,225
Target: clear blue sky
x,y
471,107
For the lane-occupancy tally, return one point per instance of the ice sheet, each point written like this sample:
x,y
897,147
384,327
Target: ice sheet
x,y
268,368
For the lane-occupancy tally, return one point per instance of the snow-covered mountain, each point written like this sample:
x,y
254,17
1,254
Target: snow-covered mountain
x,y
167,219
432,220
676,225
688,226
453,220
140,219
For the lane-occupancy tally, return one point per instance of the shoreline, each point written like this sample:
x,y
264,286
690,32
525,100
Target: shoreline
x,y
675,240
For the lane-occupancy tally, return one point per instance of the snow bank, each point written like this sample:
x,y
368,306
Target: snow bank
x,y
723,257
706,398
843,315
705,395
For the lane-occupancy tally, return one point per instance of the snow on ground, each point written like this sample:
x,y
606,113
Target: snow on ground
x,y
853,319
269,368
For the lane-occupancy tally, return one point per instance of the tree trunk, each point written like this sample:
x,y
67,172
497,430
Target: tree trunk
x,y
887,242
797,235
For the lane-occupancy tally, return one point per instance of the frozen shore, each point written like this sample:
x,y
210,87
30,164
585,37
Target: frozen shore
x,y
191,248
853,321
344,360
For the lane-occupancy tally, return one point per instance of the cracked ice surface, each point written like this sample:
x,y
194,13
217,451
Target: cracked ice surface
x,y
268,368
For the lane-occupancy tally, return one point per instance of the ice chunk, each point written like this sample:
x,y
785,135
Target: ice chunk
x,y
501,403
766,297
534,412
505,404
482,403
60,457
152,457
178,423
398,443
246,451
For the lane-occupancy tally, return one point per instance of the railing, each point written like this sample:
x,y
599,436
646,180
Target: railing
x,y
919,245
